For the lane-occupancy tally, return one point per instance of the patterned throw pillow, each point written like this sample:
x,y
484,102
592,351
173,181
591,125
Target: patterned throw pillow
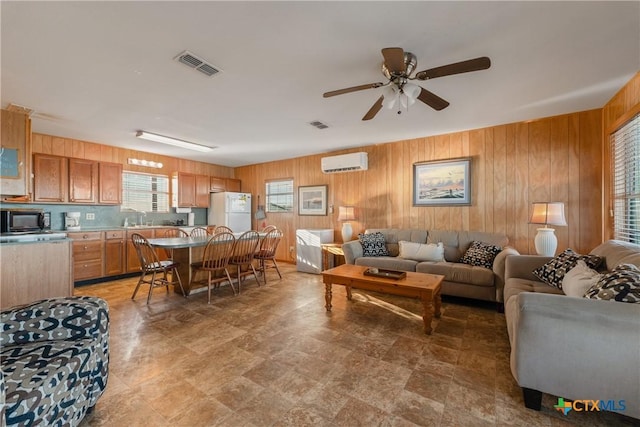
x,y
553,271
622,284
480,254
373,244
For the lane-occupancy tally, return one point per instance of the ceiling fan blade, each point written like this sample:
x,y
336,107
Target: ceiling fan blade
x,y
432,100
394,59
352,89
374,109
476,64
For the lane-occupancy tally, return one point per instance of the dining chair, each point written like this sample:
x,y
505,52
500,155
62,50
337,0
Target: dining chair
x,y
173,232
199,232
150,264
243,253
222,229
215,261
267,252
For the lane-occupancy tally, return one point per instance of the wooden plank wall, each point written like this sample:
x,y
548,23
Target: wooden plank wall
x,y
620,109
48,144
552,159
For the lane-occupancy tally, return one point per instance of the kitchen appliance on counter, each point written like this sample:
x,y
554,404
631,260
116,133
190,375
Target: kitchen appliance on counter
x,y
24,220
32,236
72,221
230,209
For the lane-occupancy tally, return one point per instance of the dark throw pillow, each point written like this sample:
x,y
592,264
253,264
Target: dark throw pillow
x,y
480,254
373,244
554,270
621,284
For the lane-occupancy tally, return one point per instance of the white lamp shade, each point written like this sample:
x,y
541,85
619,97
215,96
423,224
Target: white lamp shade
x,y
548,213
346,213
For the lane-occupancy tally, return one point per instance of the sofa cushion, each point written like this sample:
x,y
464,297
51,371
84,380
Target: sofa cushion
x,y
579,280
388,262
622,284
553,271
516,285
373,244
394,235
456,243
616,252
480,254
457,272
421,251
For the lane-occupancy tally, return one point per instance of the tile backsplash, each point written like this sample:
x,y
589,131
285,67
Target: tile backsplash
x,y
107,216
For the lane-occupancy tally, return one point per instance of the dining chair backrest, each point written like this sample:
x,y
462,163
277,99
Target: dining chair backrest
x,y
269,243
245,247
268,228
146,253
222,229
199,232
218,251
175,232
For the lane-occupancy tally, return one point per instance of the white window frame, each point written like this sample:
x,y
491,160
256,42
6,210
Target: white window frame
x,y
279,195
149,200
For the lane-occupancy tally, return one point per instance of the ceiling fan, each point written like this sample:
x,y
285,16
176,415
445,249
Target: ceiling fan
x,y
397,67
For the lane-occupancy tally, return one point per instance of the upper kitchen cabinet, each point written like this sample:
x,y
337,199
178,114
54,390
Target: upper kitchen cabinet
x,y
110,183
219,184
193,190
15,161
83,181
50,178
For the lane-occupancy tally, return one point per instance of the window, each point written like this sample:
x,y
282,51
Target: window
x,y
280,195
625,170
145,192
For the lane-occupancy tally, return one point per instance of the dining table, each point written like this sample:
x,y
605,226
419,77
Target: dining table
x,y
186,250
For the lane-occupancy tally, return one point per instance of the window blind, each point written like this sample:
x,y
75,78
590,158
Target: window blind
x,y
145,192
625,167
279,196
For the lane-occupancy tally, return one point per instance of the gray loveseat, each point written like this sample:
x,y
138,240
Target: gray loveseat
x,y
575,348
459,279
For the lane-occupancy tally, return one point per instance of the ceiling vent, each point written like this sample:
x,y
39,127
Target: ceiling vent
x,y
318,124
193,61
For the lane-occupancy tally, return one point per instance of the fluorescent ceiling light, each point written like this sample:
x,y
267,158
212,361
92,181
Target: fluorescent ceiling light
x,y
172,141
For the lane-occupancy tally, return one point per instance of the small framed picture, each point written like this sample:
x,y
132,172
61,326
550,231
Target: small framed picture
x,y
442,182
312,200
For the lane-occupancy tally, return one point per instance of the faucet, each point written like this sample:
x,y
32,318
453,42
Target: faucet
x,y
141,215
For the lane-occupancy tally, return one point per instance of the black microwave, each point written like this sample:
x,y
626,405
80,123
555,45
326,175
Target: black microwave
x,y
24,220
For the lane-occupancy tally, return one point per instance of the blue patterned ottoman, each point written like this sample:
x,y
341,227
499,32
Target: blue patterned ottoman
x,y
54,356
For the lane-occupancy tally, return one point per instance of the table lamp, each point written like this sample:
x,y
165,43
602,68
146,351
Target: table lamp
x,y
547,213
346,214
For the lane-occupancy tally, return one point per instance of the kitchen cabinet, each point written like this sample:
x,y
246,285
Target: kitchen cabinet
x,y
34,271
88,254
15,140
133,263
114,252
50,182
110,183
193,190
83,181
218,184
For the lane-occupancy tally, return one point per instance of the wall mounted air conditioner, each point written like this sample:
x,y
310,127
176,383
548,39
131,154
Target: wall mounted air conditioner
x,y
345,163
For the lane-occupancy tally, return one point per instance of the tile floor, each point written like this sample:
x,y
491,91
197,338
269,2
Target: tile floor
x,y
273,356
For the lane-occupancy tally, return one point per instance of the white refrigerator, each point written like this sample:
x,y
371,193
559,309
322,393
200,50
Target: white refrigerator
x,y
232,210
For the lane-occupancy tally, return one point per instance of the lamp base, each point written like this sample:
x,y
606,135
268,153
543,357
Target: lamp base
x,y
546,242
347,232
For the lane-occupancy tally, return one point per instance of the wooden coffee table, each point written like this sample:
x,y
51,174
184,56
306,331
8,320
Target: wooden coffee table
x,y
415,285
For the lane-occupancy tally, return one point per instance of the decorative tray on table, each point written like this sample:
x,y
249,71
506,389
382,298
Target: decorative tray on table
x,y
385,274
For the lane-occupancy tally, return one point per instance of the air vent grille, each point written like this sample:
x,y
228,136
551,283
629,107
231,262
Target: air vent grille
x,y
192,61
318,124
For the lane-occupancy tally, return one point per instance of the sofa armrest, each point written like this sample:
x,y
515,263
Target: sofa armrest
x,y
352,250
67,318
576,347
522,266
499,270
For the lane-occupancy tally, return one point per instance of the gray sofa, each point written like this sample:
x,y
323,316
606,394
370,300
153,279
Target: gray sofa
x,y
459,279
570,347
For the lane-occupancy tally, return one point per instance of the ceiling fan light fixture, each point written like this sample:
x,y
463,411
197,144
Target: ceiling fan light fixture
x,y
172,141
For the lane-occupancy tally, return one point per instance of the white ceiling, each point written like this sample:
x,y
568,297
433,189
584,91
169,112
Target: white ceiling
x,y
99,71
